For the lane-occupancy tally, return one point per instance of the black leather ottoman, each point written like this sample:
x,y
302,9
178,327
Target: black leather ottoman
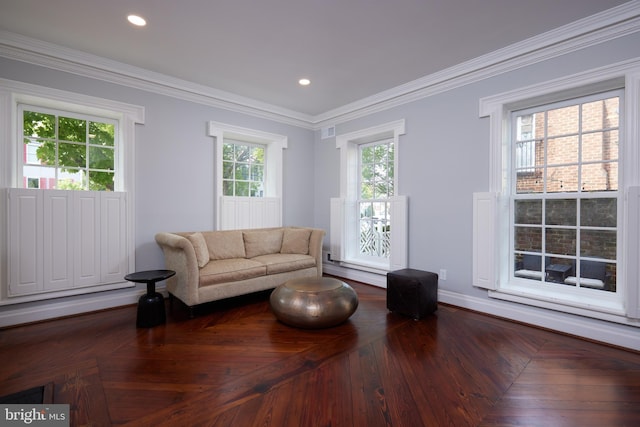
x,y
411,292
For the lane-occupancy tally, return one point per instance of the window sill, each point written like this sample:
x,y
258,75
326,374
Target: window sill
x,y
372,267
589,303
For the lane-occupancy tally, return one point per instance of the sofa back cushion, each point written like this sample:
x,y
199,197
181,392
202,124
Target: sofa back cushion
x,y
225,244
200,246
295,241
262,242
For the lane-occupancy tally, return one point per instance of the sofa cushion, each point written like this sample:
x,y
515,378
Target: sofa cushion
x,y
200,246
281,263
262,242
230,270
295,241
225,244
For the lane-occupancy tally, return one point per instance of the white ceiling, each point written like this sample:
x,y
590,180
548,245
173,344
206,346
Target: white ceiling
x,y
350,49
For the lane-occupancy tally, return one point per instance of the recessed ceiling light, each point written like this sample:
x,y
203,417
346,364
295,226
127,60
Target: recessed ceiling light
x,y
136,20
304,82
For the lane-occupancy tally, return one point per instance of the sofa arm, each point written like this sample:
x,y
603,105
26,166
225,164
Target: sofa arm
x,y
180,257
315,247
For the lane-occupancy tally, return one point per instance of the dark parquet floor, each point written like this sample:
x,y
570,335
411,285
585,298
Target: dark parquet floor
x,y
234,364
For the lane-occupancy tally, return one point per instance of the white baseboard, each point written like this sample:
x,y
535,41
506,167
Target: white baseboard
x,y
28,313
357,275
596,330
591,329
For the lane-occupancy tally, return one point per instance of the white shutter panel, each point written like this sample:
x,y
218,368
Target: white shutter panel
x,y
632,231
58,239
485,215
113,238
25,241
399,232
87,238
336,226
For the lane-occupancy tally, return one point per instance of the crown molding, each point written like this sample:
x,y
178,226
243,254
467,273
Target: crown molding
x,y
38,52
608,25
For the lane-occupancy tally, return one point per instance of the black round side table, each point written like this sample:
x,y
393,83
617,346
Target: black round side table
x,y
150,305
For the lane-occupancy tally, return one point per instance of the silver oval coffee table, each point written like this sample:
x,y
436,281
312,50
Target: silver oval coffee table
x,y
311,302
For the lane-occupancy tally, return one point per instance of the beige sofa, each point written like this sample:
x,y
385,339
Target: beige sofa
x,y
213,265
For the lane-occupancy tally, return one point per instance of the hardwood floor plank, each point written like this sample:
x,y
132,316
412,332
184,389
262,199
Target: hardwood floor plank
x,y
235,364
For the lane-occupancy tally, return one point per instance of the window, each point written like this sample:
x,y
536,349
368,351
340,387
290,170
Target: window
x,y
525,148
62,243
560,231
67,151
565,203
375,189
248,166
243,169
369,220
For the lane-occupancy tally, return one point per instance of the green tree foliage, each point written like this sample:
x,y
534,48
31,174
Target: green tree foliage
x,y
81,146
377,171
243,169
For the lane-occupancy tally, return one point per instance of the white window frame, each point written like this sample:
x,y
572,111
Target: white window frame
x,y
77,114
344,209
491,251
249,212
13,93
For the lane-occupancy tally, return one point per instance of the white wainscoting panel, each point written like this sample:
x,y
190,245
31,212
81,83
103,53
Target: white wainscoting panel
x,y
250,212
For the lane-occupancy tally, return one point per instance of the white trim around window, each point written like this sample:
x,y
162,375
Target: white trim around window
x,y
491,208
13,93
249,212
344,210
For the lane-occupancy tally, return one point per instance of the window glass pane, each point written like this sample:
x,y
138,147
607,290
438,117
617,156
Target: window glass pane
x,y
528,211
562,150
228,152
39,124
257,189
101,181
71,179
31,147
382,190
242,171
257,155
101,134
528,266
600,146
594,275
563,121
72,129
560,241
598,243
601,114
600,177
227,170
46,153
257,173
598,212
227,188
562,179
242,153
530,182
528,239
366,191
561,212
242,189
72,155
101,158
